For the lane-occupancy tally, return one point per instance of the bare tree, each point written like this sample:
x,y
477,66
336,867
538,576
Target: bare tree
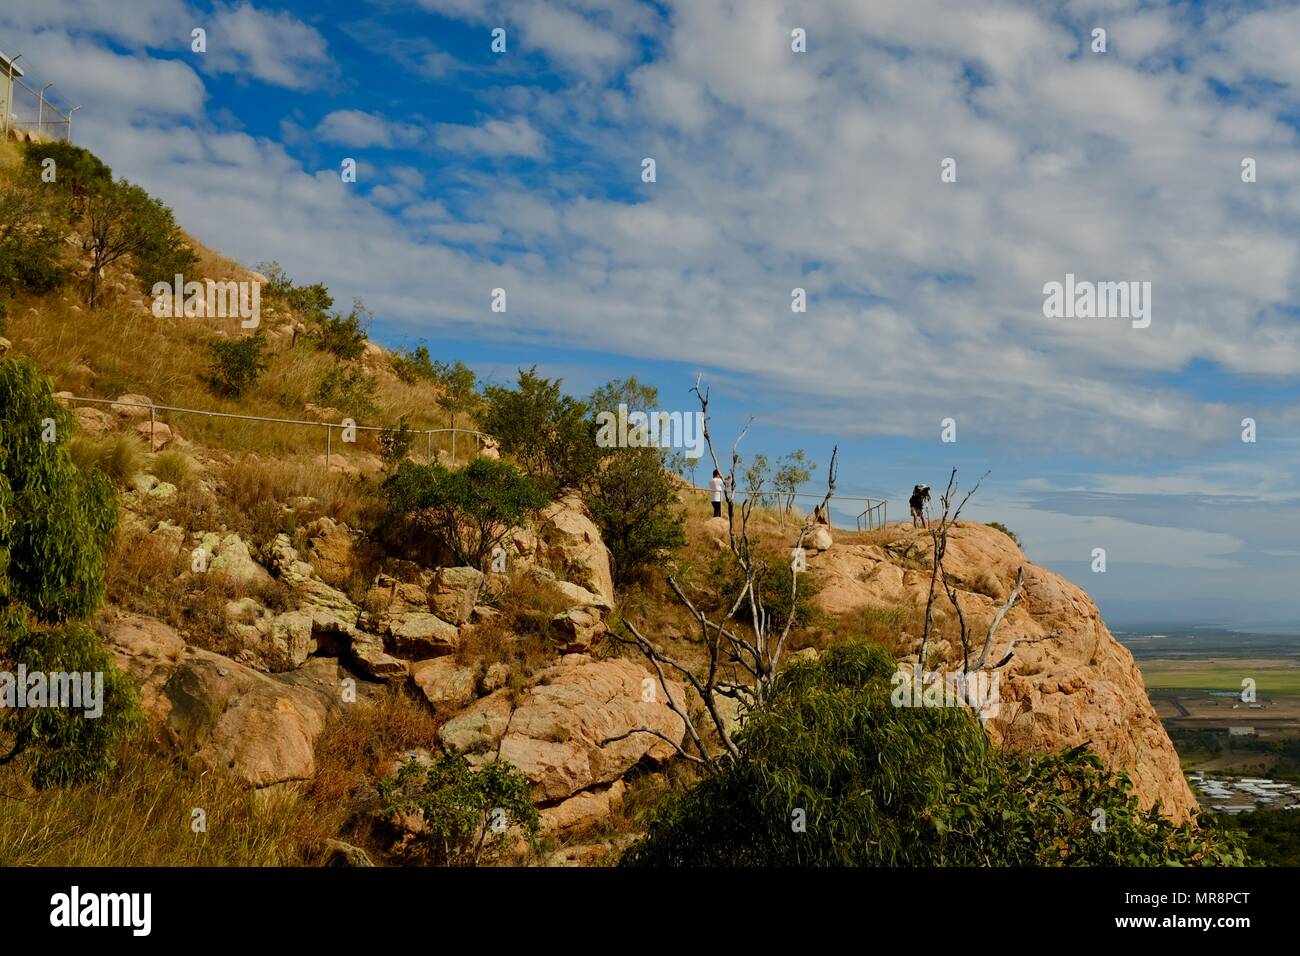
x,y
742,664
938,580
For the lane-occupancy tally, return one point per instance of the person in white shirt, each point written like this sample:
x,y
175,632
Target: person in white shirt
x,y
715,488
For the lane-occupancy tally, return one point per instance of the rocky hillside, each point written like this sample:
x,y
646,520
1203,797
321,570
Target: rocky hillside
x,y
1080,686
256,603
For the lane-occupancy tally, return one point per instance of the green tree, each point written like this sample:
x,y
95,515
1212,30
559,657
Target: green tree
x,y
165,252
120,219
236,364
395,443
311,303
55,524
413,365
344,335
458,388
792,471
636,395
351,389
31,241
545,430
471,510
634,503
756,476
831,773
76,173
466,811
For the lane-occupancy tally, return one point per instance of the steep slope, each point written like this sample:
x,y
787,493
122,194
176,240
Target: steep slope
x,y
1078,686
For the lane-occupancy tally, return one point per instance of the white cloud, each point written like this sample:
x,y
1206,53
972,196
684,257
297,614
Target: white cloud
x,y
359,129
493,137
276,48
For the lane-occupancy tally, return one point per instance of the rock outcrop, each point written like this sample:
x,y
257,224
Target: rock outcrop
x,y
1079,686
562,733
224,716
571,544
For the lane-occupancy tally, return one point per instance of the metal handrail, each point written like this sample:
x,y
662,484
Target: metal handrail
x,y
328,426
868,514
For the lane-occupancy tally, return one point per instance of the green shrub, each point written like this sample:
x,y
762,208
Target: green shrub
x,y
311,302
344,335
395,443
728,578
351,390
466,811
55,520
634,503
412,366
77,172
831,773
1007,531
546,431
55,524
66,745
119,456
236,364
470,510
174,467
31,241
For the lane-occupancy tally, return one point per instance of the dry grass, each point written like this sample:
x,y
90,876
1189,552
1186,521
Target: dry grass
x,y
141,814
123,348
119,455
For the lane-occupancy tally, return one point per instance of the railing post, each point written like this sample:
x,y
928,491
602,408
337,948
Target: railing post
x,y
428,446
152,416
329,436
453,448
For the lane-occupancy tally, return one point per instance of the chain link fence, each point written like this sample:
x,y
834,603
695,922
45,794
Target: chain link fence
x,y
28,113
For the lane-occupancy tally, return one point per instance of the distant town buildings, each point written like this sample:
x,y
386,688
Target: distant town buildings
x,y
1244,794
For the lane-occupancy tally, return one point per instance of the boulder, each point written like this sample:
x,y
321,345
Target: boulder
x,y
156,435
444,683
575,595
1081,685
401,612
571,542
582,811
331,550
150,486
334,617
130,407
338,853
455,591
225,717
561,735
581,628
93,421
818,539
495,677
5,346
228,555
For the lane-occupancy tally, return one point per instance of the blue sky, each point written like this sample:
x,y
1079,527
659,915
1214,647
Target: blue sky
x,y
778,169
